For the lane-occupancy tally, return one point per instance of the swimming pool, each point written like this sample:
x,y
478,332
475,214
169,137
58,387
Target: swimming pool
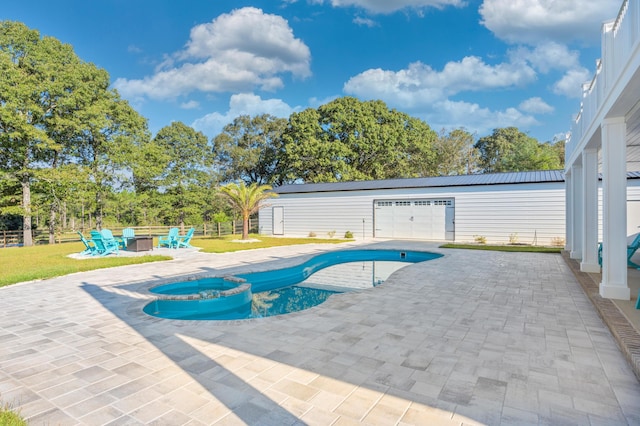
x,y
280,291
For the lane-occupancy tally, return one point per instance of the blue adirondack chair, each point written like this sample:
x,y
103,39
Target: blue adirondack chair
x,y
104,245
109,239
127,234
631,250
184,240
90,246
170,240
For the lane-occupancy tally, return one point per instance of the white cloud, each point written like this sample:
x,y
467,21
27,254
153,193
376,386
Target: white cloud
x,y
190,105
419,84
382,6
242,104
473,74
316,102
426,92
536,105
560,137
449,114
358,20
571,83
548,56
533,21
236,52
407,87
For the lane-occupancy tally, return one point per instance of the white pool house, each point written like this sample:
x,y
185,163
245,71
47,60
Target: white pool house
x,y
519,207
525,207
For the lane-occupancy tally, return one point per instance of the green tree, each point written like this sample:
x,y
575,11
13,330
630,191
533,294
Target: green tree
x,y
455,153
376,142
251,149
112,133
557,147
510,150
56,110
348,139
309,155
56,186
31,77
187,173
10,196
247,200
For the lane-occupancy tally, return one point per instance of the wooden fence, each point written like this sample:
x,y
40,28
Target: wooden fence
x,y
15,238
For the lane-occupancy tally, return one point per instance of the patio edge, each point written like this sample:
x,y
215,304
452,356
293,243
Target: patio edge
x,y
626,336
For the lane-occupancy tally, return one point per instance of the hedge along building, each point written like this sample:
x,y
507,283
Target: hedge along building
x,y
523,207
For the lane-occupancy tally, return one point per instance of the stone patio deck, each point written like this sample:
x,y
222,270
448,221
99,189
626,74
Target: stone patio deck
x,y
474,338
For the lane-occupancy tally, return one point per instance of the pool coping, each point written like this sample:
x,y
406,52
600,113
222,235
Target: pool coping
x,y
145,286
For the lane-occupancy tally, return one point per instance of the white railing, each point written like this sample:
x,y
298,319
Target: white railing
x,y
619,37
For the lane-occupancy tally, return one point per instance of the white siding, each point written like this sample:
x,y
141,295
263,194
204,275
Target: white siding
x,y
532,213
633,208
322,213
535,212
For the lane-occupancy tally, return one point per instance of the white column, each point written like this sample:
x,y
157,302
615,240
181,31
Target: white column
x,y
590,211
578,197
614,210
568,183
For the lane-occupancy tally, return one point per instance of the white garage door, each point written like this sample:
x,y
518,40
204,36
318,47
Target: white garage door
x,y
426,219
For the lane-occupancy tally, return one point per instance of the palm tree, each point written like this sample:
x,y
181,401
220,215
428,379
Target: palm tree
x,y
248,200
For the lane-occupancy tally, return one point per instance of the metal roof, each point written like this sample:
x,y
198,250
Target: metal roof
x,y
428,182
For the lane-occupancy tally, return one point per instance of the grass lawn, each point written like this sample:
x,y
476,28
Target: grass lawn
x,y
517,248
18,264
227,243
10,418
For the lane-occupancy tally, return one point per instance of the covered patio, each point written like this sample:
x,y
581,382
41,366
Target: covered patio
x,y
602,154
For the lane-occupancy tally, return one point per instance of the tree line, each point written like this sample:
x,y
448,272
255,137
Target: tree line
x,y
72,149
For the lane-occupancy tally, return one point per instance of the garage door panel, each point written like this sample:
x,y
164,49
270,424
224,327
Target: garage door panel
x,y
384,219
429,219
403,219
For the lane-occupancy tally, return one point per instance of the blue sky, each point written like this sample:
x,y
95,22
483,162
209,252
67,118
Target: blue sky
x,y
476,64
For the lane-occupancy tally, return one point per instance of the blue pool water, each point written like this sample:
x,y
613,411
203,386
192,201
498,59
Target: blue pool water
x,y
281,291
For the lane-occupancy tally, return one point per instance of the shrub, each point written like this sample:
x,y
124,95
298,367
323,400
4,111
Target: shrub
x,y
348,234
221,217
312,234
480,239
331,234
10,417
513,238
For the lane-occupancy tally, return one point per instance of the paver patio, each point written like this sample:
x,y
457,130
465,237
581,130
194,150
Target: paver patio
x,y
471,338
